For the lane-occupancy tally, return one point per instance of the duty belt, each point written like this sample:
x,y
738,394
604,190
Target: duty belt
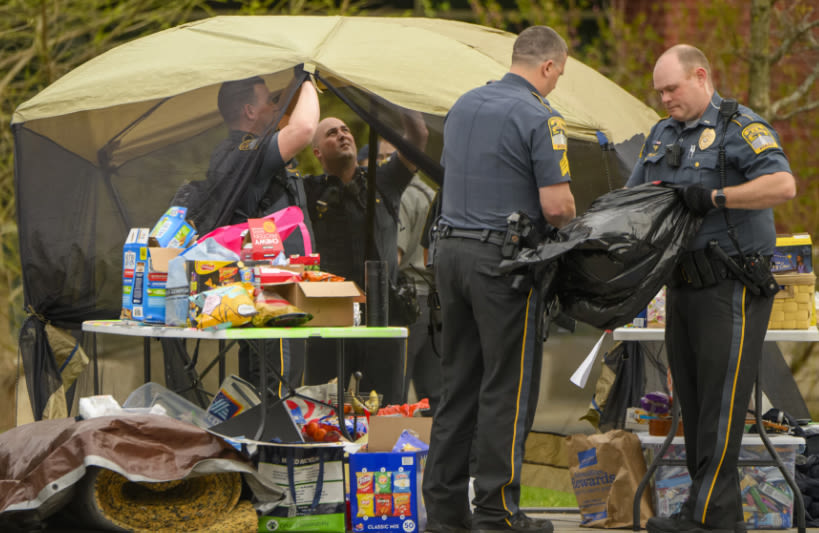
x,y
484,235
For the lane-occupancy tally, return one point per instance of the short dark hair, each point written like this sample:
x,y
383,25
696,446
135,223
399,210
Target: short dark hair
x,y
233,95
536,44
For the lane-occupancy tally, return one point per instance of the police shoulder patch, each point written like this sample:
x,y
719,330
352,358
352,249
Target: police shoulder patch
x,y
249,142
557,130
759,137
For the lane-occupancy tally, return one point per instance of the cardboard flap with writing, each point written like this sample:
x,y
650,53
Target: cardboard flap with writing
x,y
384,430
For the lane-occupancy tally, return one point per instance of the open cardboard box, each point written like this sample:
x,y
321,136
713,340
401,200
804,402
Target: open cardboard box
x,y
385,486
330,303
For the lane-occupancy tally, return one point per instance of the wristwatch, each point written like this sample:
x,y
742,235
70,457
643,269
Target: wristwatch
x,y
719,199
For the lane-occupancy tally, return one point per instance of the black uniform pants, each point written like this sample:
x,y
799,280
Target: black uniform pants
x,y
285,356
487,356
714,342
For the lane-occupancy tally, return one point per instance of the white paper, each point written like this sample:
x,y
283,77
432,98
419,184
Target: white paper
x,y
581,375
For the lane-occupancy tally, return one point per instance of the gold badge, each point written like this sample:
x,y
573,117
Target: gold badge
x,y
557,129
706,138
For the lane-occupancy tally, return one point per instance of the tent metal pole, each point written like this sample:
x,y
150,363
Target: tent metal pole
x,y
371,189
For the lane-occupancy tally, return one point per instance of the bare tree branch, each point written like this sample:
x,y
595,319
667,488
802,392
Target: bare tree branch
x,y
25,57
803,109
798,93
799,33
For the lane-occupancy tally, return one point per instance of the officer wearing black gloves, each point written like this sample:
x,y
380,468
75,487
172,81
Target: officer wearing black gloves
x,y
504,151
732,170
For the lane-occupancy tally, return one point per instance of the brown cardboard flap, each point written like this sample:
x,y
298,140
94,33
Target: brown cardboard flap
x,y
161,256
384,430
334,289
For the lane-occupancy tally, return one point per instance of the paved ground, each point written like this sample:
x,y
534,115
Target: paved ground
x,y
569,522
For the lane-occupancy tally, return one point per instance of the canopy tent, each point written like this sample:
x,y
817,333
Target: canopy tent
x,y
105,147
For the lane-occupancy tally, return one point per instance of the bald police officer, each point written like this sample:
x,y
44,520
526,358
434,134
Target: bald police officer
x,y
716,322
504,151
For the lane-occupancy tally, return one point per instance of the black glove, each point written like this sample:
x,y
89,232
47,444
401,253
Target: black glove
x,y
299,72
697,199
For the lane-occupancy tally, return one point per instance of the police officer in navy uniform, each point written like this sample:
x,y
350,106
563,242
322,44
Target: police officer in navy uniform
x,y
716,324
337,203
504,151
248,109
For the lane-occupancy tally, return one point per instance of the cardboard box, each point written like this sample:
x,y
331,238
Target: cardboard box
x,y
793,254
263,240
794,305
172,230
767,498
385,486
157,278
330,303
144,275
134,259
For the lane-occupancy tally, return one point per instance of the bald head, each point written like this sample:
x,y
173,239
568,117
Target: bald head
x,y
334,146
689,57
682,77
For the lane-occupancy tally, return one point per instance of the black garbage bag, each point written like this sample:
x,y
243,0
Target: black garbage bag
x,y
614,258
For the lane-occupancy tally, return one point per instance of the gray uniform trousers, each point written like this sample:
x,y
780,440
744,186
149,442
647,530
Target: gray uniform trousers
x,y
487,355
714,342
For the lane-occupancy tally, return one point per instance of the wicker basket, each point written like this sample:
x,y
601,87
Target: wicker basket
x,y
794,306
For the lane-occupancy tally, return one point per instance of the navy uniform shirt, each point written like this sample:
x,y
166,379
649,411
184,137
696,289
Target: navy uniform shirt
x,y
502,142
752,149
272,187
340,231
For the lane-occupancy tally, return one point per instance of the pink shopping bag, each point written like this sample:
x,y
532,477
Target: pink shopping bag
x,y
286,220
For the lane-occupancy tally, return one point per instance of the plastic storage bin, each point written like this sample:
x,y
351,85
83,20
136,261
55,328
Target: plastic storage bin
x,y
767,498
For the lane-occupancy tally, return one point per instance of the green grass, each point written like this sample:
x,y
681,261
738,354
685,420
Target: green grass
x,y
540,497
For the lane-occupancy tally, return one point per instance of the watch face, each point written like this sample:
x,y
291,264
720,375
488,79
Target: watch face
x,y
719,198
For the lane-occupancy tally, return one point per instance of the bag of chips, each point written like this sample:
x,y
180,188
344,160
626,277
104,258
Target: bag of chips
x,y
273,310
223,307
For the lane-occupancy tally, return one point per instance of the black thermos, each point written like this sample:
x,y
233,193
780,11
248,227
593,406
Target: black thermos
x,y
377,289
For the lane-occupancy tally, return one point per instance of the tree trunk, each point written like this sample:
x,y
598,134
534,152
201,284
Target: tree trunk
x,y
759,73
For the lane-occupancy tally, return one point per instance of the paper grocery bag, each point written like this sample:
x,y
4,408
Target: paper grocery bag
x,y
605,470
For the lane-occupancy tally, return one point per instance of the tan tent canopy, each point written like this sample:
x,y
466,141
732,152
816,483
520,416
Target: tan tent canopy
x,y
160,88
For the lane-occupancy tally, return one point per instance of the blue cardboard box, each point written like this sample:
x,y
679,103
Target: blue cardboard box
x,y
385,491
134,269
172,230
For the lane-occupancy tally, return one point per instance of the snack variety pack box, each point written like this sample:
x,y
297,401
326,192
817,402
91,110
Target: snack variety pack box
x,y
385,486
